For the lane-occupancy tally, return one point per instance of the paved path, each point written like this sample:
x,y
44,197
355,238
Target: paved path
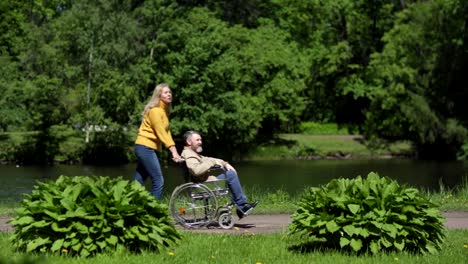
x,y
256,224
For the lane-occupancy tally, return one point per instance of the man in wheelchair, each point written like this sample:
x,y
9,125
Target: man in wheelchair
x,y
199,167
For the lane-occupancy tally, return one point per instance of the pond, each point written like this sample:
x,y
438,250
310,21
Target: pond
x,y
290,175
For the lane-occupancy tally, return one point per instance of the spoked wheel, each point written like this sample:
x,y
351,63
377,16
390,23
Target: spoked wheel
x,y
225,220
193,205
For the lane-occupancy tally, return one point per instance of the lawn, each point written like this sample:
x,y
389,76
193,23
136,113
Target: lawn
x,y
249,248
326,146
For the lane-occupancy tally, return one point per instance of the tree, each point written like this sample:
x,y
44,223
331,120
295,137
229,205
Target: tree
x,y
229,82
103,48
13,32
414,84
246,13
87,53
339,37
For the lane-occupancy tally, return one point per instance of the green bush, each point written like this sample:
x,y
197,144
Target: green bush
x,y
303,151
89,215
463,152
362,215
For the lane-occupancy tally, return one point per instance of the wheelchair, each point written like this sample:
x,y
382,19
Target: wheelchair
x,y
202,204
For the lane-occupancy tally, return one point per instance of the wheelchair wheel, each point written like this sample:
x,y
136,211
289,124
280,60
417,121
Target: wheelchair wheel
x,y
225,220
193,205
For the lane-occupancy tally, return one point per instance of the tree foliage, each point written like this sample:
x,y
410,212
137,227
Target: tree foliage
x,y
410,95
230,81
239,70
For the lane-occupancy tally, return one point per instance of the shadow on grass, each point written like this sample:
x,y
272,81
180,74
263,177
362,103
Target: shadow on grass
x,y
315,247
276,141
23,260
321,247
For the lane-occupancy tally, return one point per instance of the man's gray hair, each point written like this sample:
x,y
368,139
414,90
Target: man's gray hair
x,y
189,134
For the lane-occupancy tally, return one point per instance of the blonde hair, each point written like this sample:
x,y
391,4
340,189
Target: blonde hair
x,y
155,100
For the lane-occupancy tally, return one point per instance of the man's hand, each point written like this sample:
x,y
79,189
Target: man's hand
x,y
229,167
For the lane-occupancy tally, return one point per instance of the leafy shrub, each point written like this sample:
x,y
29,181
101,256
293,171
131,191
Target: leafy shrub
x,y
463,152
89,215
305,151
362,215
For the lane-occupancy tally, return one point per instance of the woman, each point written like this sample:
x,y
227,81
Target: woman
x,y
153,133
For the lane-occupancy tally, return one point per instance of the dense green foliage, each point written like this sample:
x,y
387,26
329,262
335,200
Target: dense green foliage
x,y
368,215
76,74
416,84
90,215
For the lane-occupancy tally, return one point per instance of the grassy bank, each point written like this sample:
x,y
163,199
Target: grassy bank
x,y
250,248
303,146
281,202
8,208
282,146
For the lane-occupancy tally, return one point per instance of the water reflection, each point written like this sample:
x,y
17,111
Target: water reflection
x,y
291,176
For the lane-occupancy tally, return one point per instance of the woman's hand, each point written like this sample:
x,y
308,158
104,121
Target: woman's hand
x,y
175,156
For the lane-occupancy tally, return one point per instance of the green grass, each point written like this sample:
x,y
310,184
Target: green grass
x,y
450,199
271,201
8,208
247,247
250,248
281,202
323,146
314,128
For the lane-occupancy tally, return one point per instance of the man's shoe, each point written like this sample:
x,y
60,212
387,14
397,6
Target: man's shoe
x,y
244,209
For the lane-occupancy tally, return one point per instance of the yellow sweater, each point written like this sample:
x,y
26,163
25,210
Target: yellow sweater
x,y
154,129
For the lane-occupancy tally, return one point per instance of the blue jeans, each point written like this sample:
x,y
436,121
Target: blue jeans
x,y
238,196
148,166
